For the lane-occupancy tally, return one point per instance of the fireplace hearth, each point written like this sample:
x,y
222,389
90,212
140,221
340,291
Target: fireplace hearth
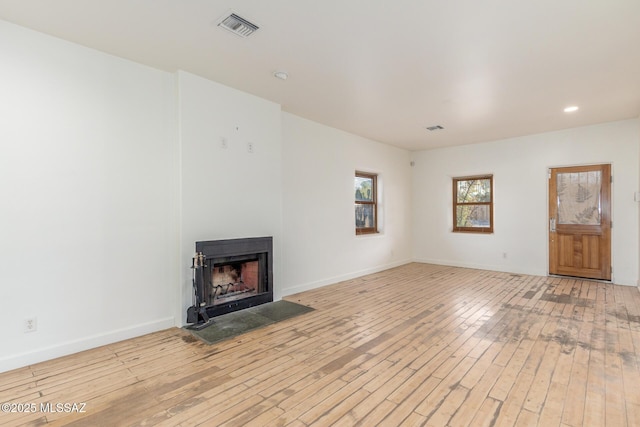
x,y
230,275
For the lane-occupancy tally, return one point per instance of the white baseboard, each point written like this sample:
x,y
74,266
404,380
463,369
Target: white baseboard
x,y
341,278
509,269
501,268
623,281
16,361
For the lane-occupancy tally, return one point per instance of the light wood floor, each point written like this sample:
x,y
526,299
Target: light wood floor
x,y
415,345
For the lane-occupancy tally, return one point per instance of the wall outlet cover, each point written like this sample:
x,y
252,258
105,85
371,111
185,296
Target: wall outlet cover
x,y
30,324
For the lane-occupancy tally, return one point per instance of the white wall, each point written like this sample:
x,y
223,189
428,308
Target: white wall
x,y
519,166
227,192
297,186
88,189
110,171
320,245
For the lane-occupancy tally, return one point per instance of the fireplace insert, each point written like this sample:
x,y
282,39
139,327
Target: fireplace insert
x,y
230,275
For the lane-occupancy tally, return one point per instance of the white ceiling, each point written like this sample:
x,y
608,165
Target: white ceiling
x,y
385,70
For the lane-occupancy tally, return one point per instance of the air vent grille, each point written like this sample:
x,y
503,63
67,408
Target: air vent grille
x,y
238,25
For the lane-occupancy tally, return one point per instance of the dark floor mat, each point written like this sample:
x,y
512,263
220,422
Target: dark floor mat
x,y
239,322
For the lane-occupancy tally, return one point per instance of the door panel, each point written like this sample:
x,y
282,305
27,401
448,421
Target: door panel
x,y
580,221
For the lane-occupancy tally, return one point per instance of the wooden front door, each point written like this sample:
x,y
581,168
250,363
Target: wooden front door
x,y
580,221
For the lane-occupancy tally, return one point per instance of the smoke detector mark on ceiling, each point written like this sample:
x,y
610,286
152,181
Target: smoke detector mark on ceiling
x,y
237,25
436,127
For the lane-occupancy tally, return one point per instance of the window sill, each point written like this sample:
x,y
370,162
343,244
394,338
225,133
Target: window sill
x,y
473,231
368,233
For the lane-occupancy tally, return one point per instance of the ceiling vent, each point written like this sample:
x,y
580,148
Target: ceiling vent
x,y
437,127
237,25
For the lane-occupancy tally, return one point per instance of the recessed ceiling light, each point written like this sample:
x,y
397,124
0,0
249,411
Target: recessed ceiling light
x,y
282,75
571,109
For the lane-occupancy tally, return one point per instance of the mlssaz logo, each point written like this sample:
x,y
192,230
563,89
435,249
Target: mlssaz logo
x,y
63,407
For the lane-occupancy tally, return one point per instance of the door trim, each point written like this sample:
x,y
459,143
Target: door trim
x,y
602,234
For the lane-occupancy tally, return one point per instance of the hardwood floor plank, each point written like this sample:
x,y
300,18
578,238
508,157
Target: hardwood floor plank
x,y
377,397
487,414
573,411
512,405
544,370
551,413
416,345
477,395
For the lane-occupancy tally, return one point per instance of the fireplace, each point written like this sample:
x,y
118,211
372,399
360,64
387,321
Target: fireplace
x,y
230,275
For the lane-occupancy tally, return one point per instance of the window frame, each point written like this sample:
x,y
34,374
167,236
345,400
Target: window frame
x,y
373,202
479,230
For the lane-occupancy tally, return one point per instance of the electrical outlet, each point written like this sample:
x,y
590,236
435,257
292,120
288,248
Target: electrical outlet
x,y
31,324
224,142
250,147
